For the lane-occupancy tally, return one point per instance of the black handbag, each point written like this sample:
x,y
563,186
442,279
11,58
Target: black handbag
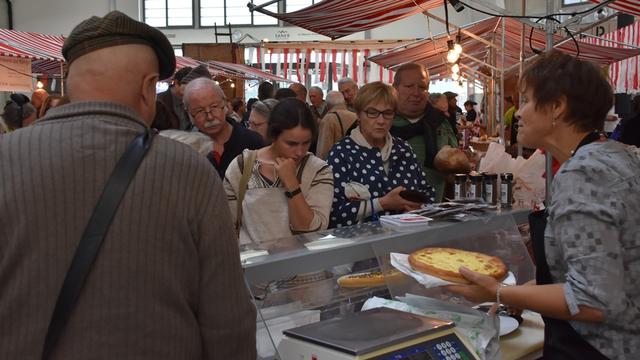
x,y
94,234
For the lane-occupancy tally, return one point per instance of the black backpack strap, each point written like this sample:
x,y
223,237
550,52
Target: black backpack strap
x,y
94,234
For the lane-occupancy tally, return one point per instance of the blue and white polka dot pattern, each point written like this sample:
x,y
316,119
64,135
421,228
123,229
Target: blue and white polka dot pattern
x,y
354,163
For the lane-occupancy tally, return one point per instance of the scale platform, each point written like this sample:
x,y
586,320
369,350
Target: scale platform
x,y
378,334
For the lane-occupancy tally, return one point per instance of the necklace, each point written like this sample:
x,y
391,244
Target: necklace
x,y
588,139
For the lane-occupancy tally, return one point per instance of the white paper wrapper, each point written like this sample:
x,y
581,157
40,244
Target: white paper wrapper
x,y
401,262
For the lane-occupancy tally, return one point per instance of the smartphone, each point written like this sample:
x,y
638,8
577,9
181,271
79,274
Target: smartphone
x,y
414,196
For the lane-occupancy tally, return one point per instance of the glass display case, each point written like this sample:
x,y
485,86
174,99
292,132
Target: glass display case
x,y
294,280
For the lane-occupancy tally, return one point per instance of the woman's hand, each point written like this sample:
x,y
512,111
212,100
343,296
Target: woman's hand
x,y
286,170
393,201
483,288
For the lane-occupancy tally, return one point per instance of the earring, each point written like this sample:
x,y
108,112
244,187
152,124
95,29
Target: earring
x,y
553,122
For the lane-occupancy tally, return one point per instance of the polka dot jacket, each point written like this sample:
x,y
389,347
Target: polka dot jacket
x,y
354,163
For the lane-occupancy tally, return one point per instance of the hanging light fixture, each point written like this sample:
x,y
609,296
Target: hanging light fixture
x,y
452,56
455,68
455,76
457,47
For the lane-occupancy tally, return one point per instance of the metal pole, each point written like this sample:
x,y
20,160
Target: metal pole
x,y
524,5
500,104
62,78
548,158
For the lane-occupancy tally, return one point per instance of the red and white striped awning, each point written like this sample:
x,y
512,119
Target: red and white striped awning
x,y
43,50
623,74
432,54
229,70
625,6
247,71
338,18
39,46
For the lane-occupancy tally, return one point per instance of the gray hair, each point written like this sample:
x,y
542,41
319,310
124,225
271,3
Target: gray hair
x,y
347,81
264,107
200,84
317,88
434,97
334,98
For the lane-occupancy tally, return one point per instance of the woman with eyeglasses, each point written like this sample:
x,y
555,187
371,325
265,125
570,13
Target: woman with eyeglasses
x,y
371,168
259,117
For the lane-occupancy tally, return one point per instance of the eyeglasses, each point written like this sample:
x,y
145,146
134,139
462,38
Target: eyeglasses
x,y
374,114
255,125
202,113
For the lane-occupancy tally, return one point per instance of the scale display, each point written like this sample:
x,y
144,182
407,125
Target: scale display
x,y
445,348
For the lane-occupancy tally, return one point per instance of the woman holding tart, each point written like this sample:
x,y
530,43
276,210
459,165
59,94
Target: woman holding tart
x,y
587,285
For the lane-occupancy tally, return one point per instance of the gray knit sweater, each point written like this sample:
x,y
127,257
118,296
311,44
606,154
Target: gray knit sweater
x,y
167,282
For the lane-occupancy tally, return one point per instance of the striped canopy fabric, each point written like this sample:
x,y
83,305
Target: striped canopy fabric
x,y
432,54
43,50
247,71
339,18
38,46
631,7
229,70
623,74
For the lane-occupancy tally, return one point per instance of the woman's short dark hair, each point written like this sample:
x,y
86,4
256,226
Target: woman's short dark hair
x,y
288,114
588,93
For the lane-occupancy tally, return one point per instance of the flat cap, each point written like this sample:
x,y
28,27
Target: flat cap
x,y
199,71
116,29
470,102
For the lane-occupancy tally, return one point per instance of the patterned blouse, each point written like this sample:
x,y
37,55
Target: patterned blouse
x,y
592,243
355,163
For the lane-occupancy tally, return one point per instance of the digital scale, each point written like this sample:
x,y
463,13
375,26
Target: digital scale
x,y
377,334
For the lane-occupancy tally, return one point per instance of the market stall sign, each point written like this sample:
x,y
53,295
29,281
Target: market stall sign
x,y
15,74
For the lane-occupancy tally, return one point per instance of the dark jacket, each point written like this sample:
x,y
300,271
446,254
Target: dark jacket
x,y
631,131
169,117
240,139
426,127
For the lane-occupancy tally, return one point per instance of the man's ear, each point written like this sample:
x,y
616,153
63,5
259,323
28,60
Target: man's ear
x,y
148,96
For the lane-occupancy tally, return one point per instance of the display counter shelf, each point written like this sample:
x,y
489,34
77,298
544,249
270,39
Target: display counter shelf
x,y
325,249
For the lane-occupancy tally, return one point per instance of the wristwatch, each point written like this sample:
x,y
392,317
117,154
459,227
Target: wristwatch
x,y
291,194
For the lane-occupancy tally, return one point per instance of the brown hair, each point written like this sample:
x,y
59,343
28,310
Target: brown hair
x,y
406,67
376,91
588,93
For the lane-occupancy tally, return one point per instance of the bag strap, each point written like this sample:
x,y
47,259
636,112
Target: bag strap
x,y
303,162
93,236
246,166
339,122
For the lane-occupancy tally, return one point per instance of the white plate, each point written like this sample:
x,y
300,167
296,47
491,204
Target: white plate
x,y
508,325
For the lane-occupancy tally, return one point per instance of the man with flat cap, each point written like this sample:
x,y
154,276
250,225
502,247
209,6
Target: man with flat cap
x,y
172,114
166,282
